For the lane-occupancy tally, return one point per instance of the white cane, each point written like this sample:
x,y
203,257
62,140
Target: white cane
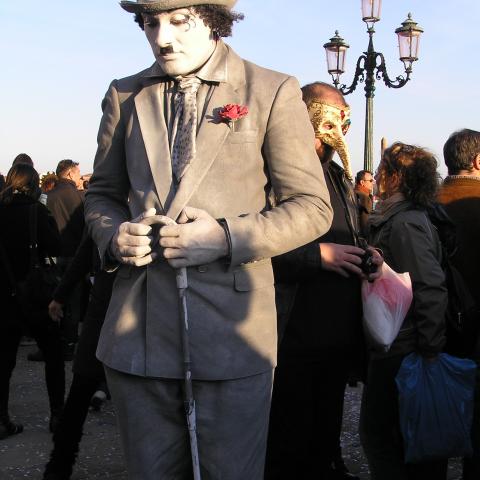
x,y
189,401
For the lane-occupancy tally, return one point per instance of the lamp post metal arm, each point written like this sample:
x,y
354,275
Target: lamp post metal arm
x,y
359,76
382,74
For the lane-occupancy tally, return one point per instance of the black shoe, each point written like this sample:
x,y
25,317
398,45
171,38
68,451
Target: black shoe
x,y
59,467
98,400
9,428
36,356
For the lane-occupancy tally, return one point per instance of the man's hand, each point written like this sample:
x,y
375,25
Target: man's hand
x,y
341,259
196,239
132,242
55,310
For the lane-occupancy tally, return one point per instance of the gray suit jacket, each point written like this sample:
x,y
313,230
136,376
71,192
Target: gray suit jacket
x,y
231,309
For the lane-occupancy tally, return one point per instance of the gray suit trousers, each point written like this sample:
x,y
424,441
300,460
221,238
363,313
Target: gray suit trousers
x,y
232,425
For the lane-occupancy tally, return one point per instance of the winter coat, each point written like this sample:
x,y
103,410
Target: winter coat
x,y
15,236
320,310
410,243
65,202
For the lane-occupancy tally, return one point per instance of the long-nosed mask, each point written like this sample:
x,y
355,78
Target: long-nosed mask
x,y
331,123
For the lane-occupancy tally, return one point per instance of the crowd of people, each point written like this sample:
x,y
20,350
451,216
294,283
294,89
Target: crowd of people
x,y
215,180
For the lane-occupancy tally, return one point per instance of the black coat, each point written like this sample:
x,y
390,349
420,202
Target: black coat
x,y
65,202
410,243
365,207
326,310
15,236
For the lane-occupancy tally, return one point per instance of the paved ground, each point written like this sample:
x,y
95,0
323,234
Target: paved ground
x,y
24,456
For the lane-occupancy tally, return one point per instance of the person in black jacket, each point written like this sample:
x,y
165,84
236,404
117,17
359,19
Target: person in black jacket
x,y
321,333
65,202
20,192
407,181
364,187
88,372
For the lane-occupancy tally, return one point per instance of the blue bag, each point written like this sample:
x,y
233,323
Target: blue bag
x,y
436,407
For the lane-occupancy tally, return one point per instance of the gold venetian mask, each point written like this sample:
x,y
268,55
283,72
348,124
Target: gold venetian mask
x,y
331,123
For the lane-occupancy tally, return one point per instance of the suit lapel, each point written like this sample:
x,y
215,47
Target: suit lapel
x,y
211,135
149,103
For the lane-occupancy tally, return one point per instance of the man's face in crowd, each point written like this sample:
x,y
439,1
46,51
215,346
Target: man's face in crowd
x,y
368,182
180,40
74,175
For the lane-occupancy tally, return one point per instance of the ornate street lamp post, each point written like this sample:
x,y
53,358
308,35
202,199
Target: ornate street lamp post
x,y
371,65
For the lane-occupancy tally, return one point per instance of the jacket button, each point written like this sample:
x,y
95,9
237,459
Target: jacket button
x,y
202,268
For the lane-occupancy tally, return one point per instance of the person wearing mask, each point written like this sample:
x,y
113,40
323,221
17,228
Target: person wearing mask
x,y
321,337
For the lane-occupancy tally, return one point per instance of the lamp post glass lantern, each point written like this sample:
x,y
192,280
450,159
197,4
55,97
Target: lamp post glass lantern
x,y
371,65
409,41
371,10
336,50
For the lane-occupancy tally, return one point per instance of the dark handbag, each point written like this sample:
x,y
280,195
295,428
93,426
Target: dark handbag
x,y
35,292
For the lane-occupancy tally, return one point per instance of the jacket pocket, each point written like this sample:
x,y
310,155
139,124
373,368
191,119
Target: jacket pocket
x,y
253,276
246,136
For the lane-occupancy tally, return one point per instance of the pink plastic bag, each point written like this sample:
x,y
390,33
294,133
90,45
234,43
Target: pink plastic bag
x,y
385,305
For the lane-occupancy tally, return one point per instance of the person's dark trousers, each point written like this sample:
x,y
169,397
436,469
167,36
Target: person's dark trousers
x,y
306,416
74,308
47,335
68,434
10,335
471,466
380,428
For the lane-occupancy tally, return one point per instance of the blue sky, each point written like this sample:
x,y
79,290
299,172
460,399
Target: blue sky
x,y
58,58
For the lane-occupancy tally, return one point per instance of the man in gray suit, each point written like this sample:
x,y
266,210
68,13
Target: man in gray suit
x,y
201,138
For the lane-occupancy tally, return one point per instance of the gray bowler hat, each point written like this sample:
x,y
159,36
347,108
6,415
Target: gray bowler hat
x,y
152,6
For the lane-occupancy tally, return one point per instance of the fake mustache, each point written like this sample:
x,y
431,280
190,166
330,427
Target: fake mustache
x,y
166,50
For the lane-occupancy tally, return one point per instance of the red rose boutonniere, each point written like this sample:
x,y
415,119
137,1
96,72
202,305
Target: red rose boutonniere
x,y
231,112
